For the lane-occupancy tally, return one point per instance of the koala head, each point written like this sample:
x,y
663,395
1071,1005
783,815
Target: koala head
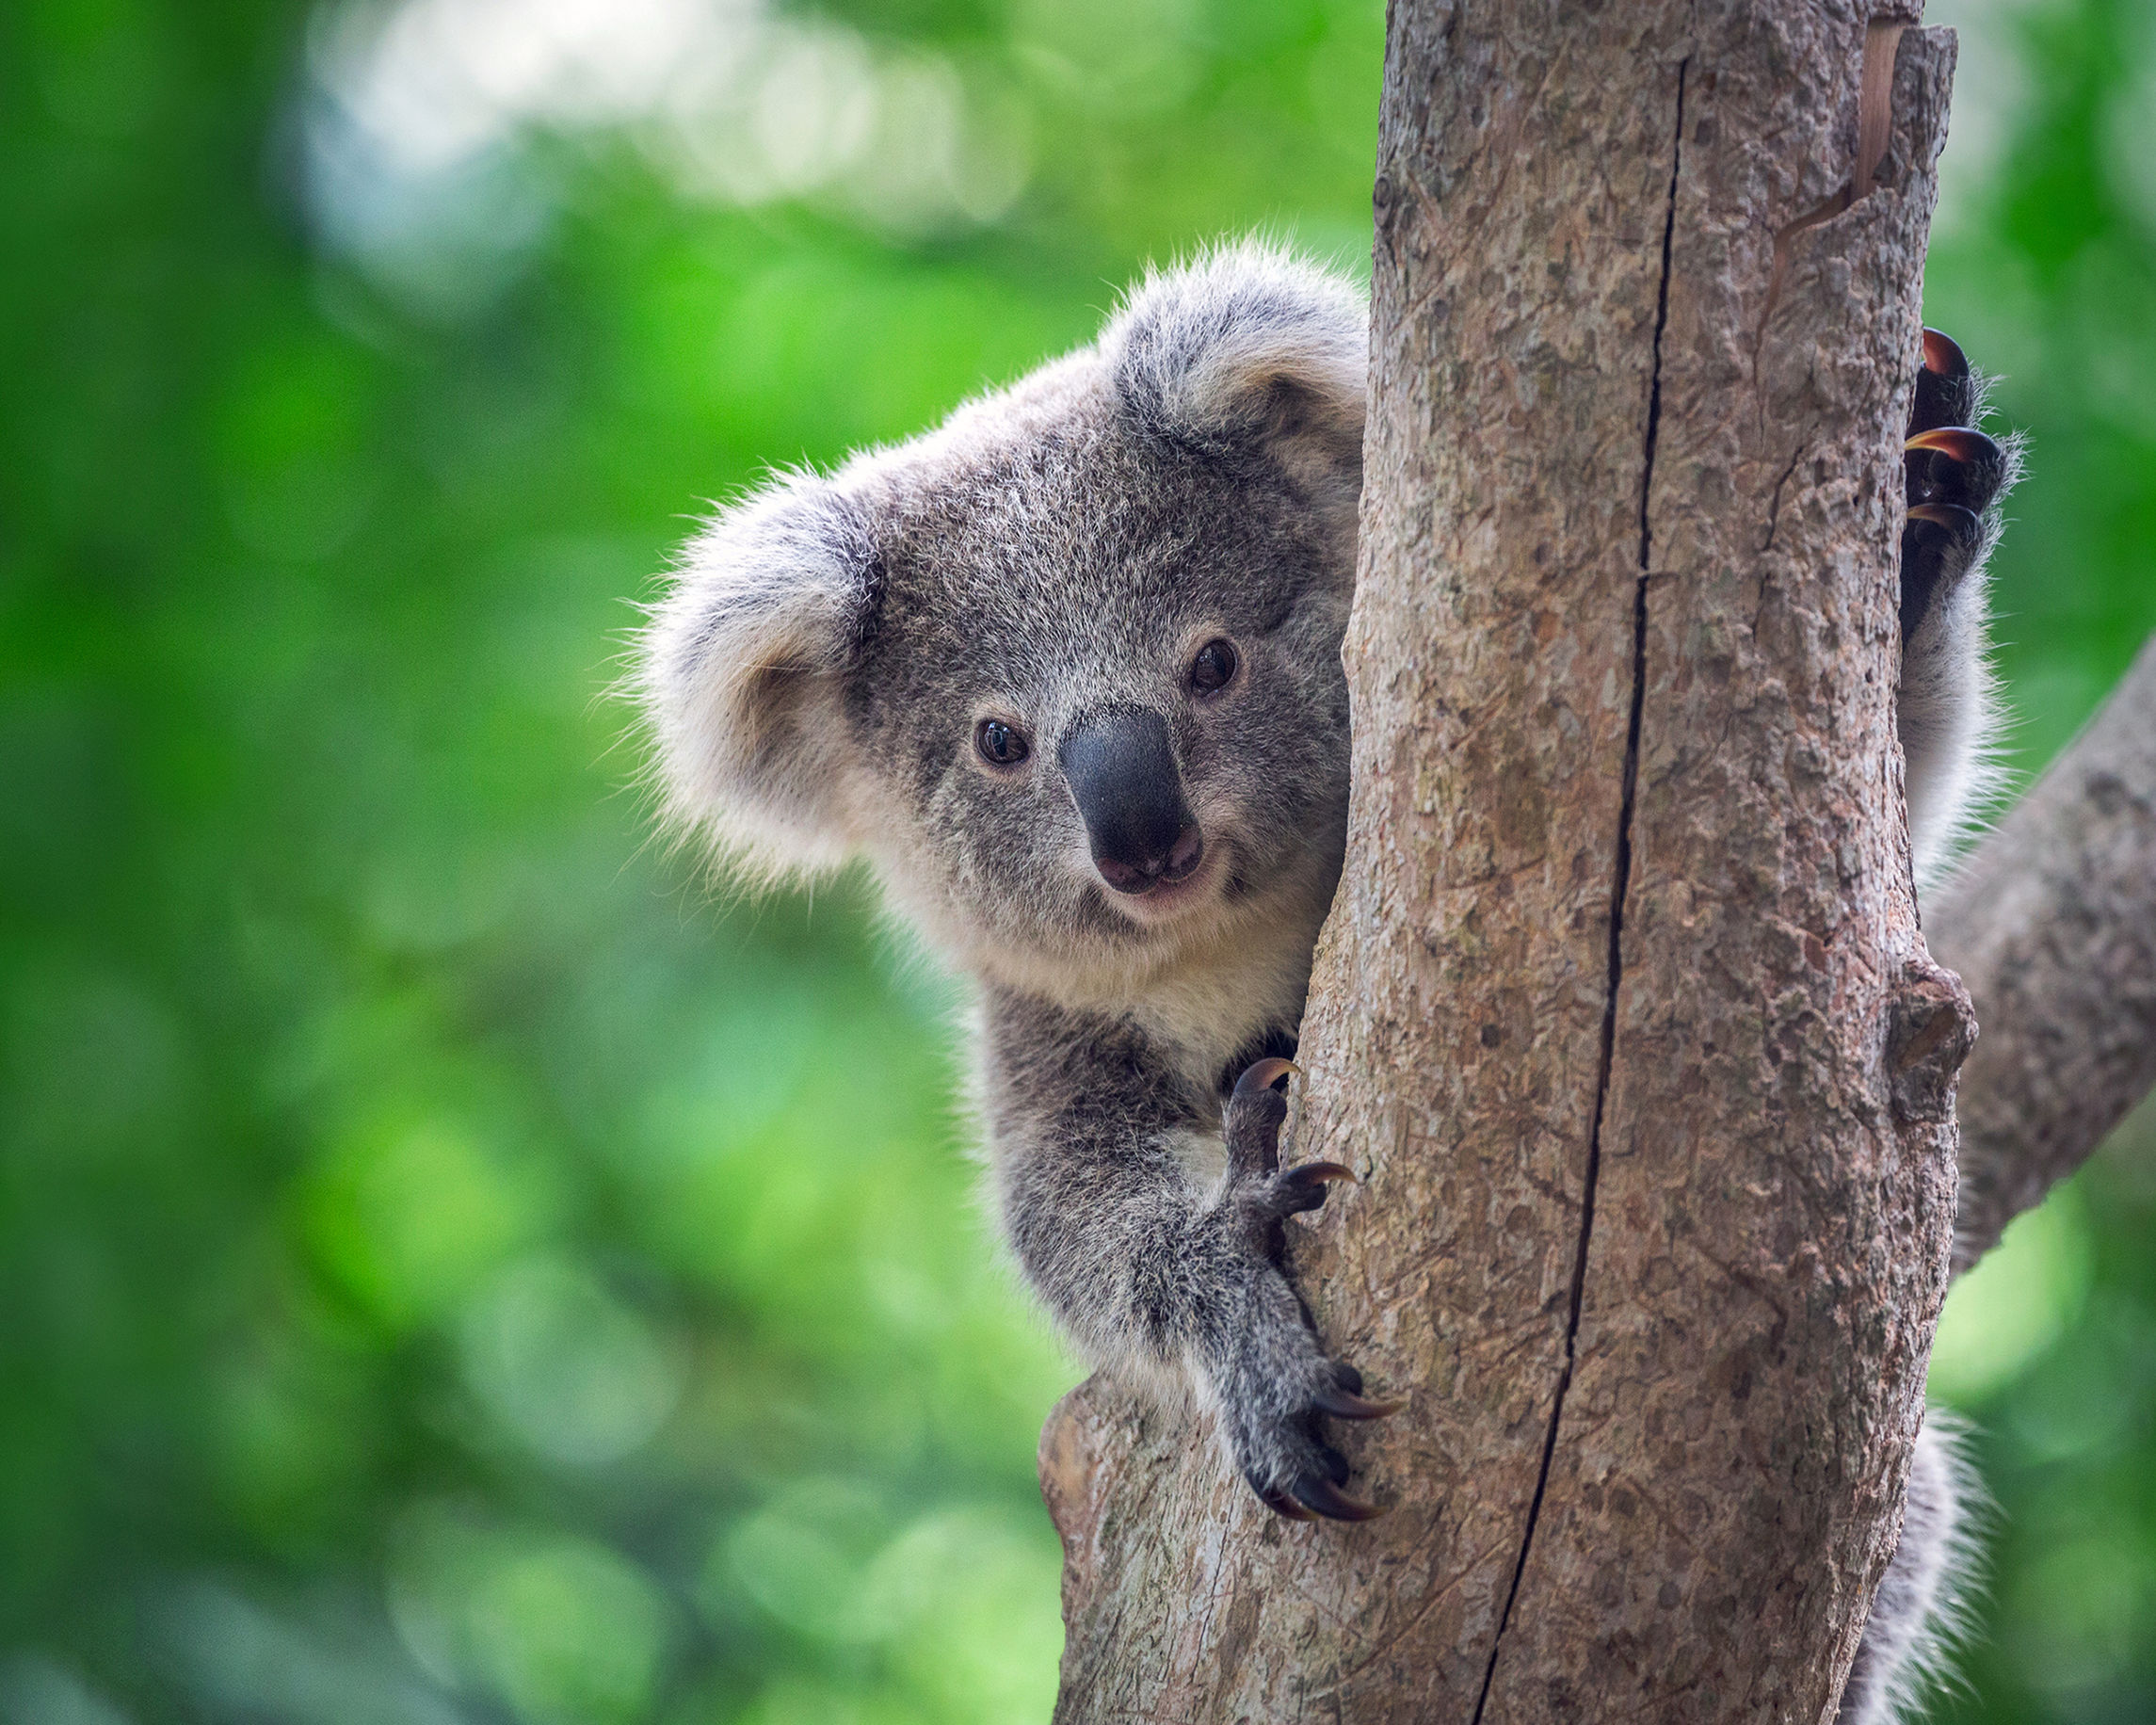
x,y
1066,671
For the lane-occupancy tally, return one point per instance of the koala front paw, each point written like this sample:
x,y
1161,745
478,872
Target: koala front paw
x,y
1272,1376
1951,473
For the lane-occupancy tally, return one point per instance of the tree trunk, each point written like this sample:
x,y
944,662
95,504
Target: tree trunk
x,y
1622,1009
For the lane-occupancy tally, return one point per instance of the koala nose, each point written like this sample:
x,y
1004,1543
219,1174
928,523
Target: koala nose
x,y
1122,772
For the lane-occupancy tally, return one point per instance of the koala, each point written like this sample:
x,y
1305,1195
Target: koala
x,y
1066,672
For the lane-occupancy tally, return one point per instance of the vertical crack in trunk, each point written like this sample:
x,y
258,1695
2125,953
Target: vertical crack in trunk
x,y
1619,885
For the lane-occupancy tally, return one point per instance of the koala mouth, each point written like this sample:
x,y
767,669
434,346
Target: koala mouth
x,y
1152,869
1172,894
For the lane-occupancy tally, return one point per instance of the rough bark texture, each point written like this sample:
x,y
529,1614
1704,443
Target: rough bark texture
x,y
1622,1009
2052,924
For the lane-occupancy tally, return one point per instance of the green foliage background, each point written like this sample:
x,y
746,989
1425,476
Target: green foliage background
x,y
452,1265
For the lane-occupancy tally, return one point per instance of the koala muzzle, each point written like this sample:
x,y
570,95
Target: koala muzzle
x,y
1122,772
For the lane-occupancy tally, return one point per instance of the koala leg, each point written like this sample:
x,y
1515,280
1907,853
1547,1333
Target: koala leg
x,y
1915,1616
1149,1272
1952,475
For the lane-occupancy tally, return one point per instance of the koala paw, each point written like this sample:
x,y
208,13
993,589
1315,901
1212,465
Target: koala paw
x,y
1273,1378
1952,472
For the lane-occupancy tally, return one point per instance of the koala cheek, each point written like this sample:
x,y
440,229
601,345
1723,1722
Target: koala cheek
x,y
1058,869
991,847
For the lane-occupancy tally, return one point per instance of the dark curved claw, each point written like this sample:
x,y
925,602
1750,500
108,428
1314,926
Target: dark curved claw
x,y
1962,525
1323,1173
1281,1504
1320,1495
1955,464
1349,1405
1960,443
1946,392
1944,356
1303,1186
1263,1074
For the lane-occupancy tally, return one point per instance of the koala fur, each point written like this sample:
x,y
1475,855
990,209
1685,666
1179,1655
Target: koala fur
x,y
1053,569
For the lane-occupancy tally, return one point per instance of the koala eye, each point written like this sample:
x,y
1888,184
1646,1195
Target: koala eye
x,y
1213,668
998,744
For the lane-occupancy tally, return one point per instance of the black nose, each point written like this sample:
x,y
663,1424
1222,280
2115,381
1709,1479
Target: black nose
x,y
1121,773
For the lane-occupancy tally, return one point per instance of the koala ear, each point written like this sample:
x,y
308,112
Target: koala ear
x,y
1248,348
740,672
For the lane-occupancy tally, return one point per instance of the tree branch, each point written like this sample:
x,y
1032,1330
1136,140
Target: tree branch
x,y
2052,927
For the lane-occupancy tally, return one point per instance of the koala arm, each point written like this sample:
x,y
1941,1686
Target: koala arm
x,y
1148,1217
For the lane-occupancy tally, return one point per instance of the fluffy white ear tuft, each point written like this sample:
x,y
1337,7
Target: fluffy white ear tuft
x,y
740,674
1247,347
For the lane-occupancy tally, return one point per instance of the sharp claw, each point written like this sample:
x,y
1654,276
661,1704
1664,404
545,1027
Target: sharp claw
x,y
1322,1496
1962,523
1326,1172
1348,1404
1281,1504
1303,1186
1957,443
1943,357
1945,393
1263,1074
1953,464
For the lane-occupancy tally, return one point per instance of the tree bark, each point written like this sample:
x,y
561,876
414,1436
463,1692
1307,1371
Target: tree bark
x,y
2052,924
1622,1009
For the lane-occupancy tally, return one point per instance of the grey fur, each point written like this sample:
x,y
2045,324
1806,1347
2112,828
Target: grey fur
x,y
1059,550
1920,1611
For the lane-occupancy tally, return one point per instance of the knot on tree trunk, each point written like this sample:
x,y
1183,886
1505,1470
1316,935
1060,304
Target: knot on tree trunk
x,y
1931,1027
1073,1483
